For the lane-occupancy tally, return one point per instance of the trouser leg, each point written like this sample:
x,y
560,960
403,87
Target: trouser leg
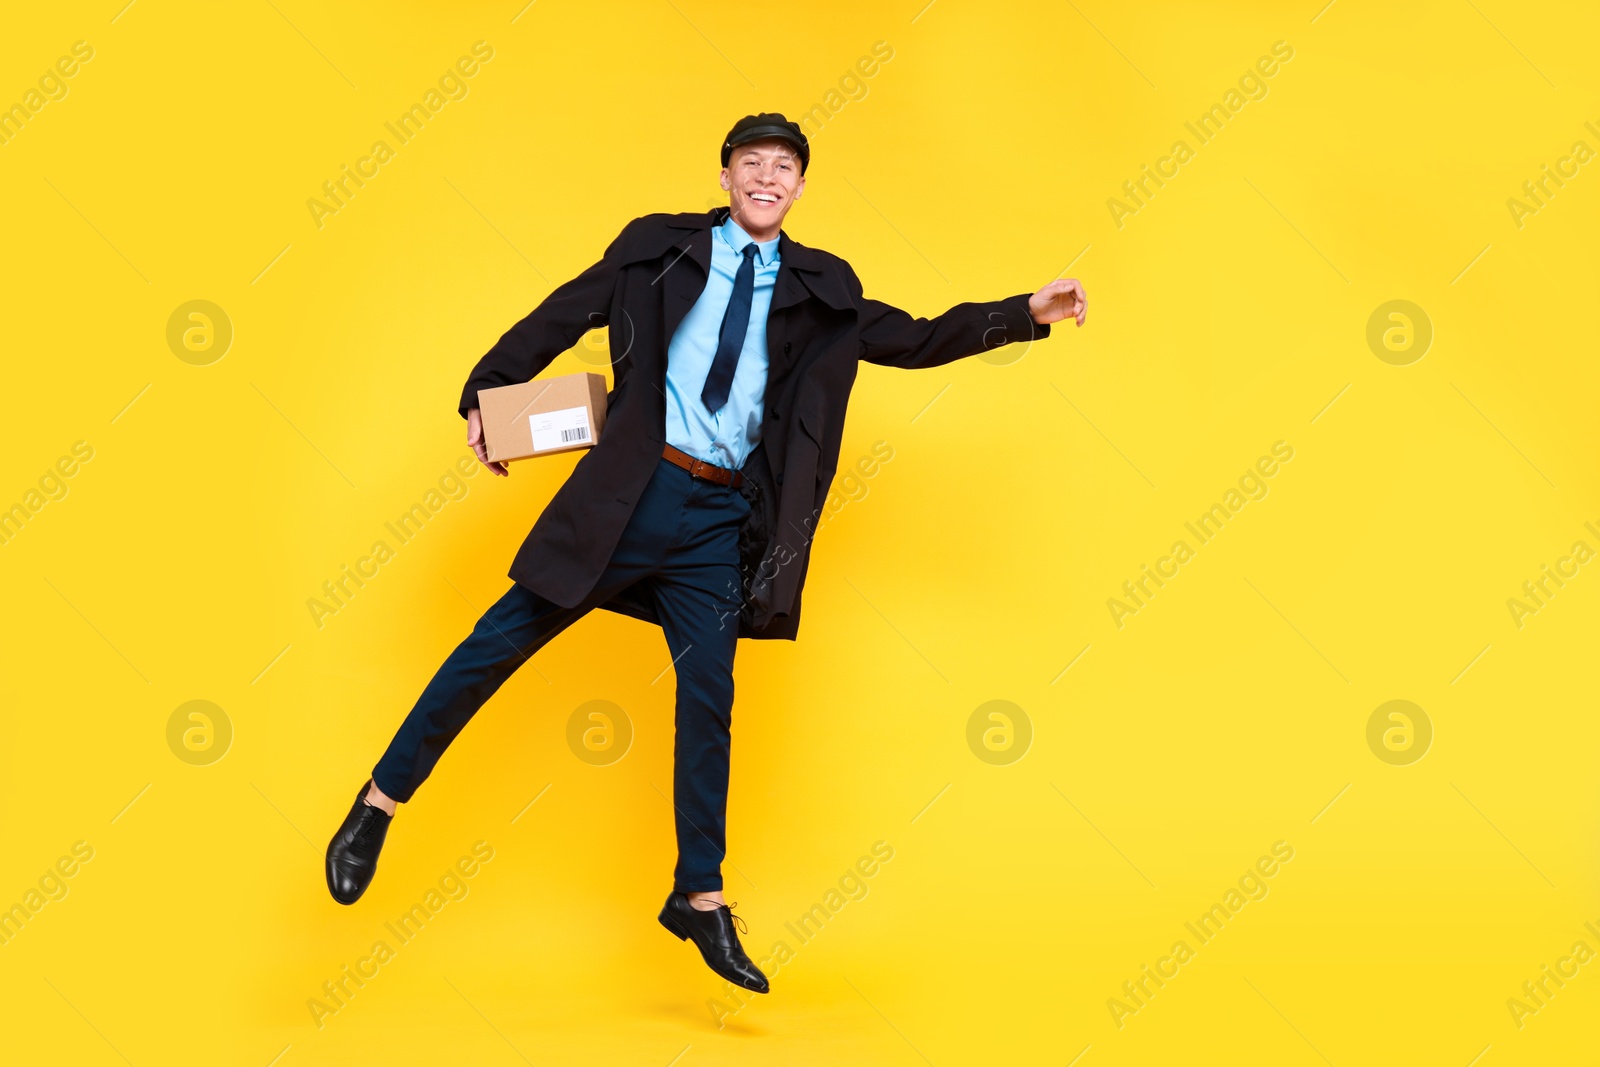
x,y
697,595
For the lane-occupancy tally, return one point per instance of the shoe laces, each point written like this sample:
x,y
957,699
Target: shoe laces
x,y
737,922
366,827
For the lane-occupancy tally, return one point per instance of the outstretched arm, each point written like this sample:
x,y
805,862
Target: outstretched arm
x,y
894,338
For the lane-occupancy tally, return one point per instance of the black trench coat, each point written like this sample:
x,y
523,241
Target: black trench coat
x,y
819,327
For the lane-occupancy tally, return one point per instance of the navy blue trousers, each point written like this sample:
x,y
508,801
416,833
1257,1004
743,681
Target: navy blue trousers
x,y
683,543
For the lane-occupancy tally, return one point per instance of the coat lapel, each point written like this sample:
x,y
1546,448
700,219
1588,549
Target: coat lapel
x,y
681,282
789,290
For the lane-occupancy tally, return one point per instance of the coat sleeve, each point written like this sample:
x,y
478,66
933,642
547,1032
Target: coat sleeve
x,y
894,338
570,311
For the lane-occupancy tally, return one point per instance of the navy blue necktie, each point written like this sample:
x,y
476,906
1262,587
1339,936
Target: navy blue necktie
x,y
730,341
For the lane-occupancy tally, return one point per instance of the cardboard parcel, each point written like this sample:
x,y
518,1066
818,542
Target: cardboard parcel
x,y
544,416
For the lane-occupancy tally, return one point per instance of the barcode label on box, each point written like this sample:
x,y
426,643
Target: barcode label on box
x,y
559,429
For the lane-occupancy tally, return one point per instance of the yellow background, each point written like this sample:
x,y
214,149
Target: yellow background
x,y
1227,715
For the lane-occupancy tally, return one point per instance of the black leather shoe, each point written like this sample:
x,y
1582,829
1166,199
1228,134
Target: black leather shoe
x,y
353,852
713,934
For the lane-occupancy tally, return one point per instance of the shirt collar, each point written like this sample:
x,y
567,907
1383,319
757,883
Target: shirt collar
x,y
735,237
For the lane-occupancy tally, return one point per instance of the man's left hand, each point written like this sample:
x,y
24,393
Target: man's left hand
x,y
1061,299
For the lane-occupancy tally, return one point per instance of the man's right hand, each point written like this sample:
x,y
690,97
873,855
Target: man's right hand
x,y
475,439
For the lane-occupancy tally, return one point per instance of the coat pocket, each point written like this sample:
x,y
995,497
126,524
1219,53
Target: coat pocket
x,y
811,427
811,424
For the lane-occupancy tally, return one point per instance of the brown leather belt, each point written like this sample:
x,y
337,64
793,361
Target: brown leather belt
x,y
699,468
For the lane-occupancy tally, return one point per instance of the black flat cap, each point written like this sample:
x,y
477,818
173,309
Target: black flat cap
x,y
759,127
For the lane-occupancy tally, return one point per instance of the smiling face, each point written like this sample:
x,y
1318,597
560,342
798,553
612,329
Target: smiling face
x,y
763,180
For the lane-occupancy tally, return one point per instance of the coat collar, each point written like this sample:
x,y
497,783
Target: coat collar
x,y
802,271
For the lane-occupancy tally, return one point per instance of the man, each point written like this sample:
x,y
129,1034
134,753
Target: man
x,y
734,350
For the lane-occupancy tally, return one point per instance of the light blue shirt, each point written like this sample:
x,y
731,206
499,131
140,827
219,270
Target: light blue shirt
x,y
727,437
